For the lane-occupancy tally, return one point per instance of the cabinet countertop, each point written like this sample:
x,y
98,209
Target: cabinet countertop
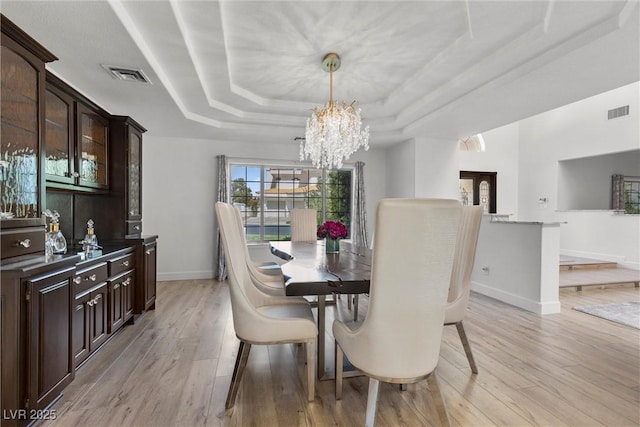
x,y
29,265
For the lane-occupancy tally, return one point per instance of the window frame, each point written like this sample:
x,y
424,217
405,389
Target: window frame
x,y
265,164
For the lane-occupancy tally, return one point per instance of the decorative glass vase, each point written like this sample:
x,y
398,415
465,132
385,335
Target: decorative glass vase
x,y
331,246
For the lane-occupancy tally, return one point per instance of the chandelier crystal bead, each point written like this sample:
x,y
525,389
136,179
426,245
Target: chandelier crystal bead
x,y
334,131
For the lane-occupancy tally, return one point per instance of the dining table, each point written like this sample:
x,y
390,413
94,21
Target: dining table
x,y
311,271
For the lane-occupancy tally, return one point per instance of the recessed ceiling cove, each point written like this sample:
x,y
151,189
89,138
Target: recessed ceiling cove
x,y
250,70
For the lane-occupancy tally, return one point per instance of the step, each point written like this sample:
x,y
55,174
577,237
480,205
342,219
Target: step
x,y
604,276
570,263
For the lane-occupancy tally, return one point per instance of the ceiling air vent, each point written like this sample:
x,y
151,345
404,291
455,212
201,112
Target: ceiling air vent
x,y
619,112
127,74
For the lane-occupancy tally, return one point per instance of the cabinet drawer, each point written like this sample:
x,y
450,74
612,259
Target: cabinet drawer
x,y
22,241
134,227
84,279
120,264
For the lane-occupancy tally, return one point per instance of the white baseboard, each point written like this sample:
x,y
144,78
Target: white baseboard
x,y
184,275
538,307
593,255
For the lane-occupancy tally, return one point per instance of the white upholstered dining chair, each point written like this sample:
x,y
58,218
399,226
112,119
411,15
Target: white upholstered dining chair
x,y
304,225
268,281
399,340
459,287
259,318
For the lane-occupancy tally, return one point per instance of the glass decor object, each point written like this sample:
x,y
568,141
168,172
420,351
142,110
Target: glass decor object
x,y
90,242
334,131
331,246
55,238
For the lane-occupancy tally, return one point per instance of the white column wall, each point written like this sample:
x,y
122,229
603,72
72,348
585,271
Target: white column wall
x,y
400,161
423,167
436,167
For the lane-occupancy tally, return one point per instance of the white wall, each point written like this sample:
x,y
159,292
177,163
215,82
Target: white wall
x,y
501,156
401,170
574,131
423,167
436,168
179,190
586,183
518,263
601,235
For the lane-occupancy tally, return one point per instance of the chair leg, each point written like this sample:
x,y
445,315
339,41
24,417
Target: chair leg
x,y
372,402
355,307
238,370
311,367
436,395
339,360
467,347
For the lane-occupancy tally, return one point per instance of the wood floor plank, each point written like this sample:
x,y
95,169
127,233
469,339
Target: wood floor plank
x,y
173,367
193,408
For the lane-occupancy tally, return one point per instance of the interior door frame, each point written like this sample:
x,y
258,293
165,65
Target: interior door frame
x,y
478,177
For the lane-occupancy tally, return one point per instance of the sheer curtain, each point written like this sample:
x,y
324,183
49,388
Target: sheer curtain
x,y
223,196
617,192
359,218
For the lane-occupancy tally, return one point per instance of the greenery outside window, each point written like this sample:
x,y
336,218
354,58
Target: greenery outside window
x,y
265,194
632,195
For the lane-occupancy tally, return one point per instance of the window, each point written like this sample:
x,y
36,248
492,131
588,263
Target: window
x,y
632,195
625,194
266,194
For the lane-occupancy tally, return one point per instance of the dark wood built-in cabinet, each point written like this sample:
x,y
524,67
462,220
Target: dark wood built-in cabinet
x,y
59,142
76,140
126,180
61,151
149,279
49,308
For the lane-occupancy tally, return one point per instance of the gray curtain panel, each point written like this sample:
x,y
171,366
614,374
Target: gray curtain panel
x,y
359,220
223,196
617,192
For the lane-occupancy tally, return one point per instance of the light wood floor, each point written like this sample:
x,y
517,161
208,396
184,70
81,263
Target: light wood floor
x,y
173,367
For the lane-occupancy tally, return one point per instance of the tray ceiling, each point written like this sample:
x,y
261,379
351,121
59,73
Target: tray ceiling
x,y
250,71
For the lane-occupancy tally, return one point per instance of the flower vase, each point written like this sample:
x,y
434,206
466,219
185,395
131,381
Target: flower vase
x,y
331,246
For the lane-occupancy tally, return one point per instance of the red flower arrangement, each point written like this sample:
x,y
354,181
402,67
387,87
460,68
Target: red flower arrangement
x,y
333,230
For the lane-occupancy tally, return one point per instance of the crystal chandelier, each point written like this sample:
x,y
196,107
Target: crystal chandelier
x,y
334,131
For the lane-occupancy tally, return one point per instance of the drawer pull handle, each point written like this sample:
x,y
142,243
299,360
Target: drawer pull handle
x,y
126,282
97,298
136,227
76,175
116,286
92,278
26,243
79,307
126,263
77,280
90,303
147,252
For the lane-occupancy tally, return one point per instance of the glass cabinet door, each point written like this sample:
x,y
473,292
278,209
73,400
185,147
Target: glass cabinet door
x,y
19,185
133,177
58,137
92,148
